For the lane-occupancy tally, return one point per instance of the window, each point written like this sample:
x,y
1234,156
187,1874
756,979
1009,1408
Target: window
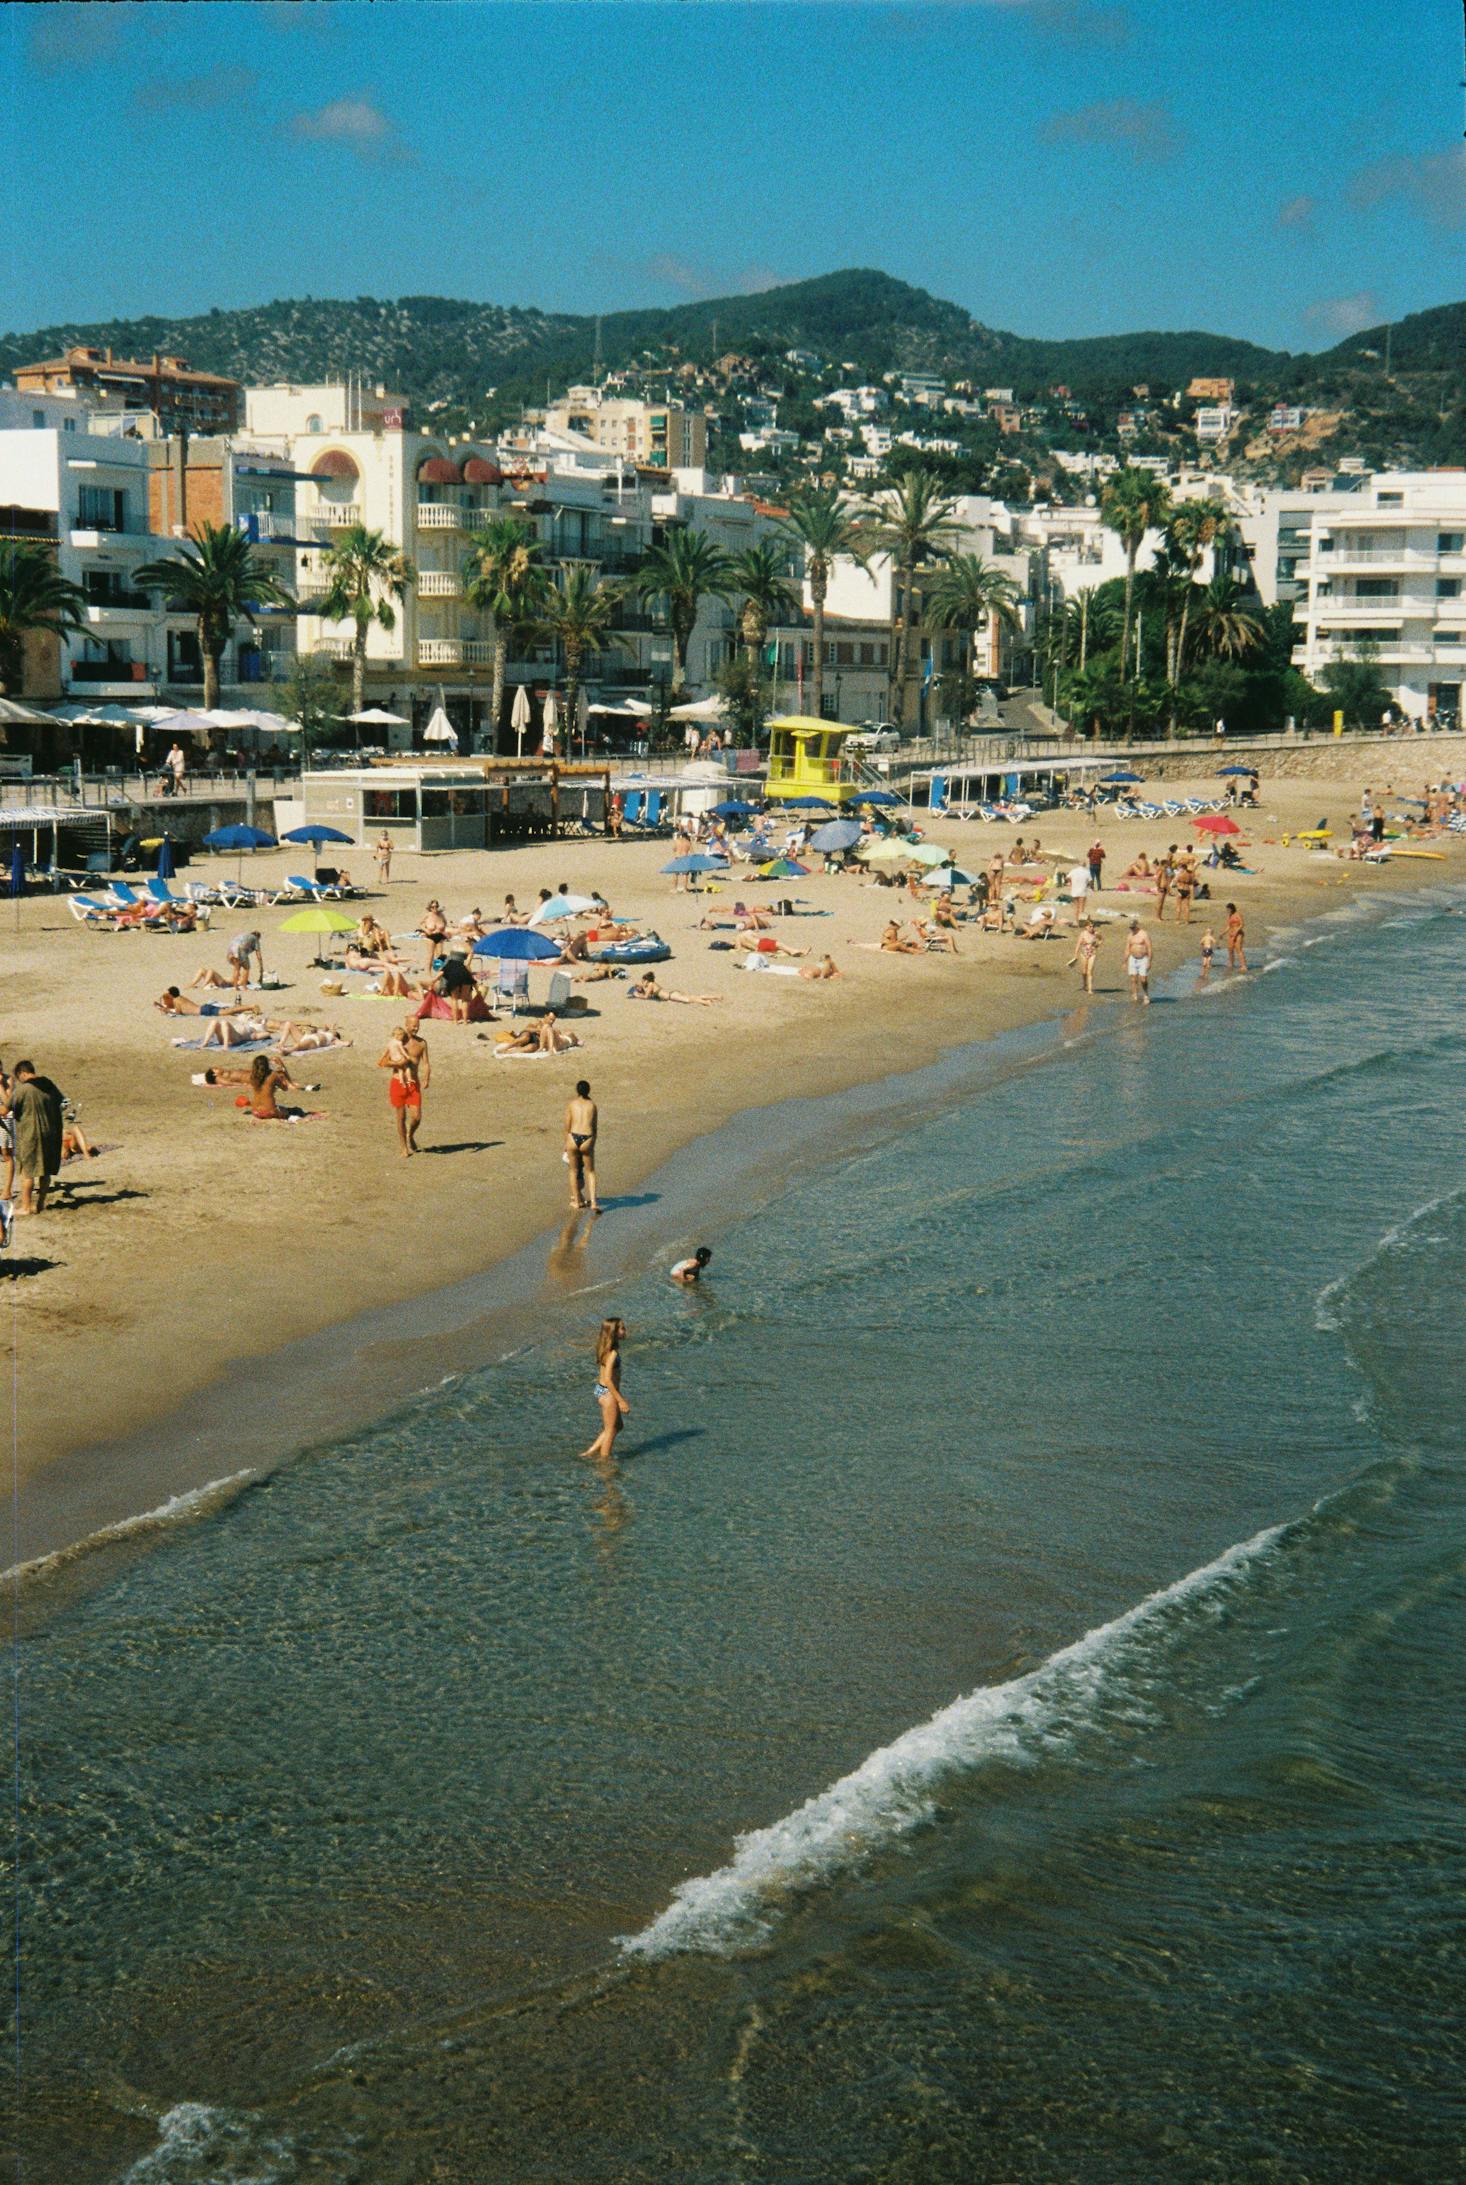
x,y
1376,588
38,419
867,656
1450,542
102,509
1448,587
1389,500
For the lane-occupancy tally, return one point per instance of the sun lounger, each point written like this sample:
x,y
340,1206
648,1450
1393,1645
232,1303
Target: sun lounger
x,y
513,984
87,911
313,891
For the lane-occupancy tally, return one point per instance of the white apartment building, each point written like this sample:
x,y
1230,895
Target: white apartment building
x,y
1213,422
660,435
1378,568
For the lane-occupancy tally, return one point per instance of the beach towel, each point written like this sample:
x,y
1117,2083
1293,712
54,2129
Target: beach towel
x,y
779,971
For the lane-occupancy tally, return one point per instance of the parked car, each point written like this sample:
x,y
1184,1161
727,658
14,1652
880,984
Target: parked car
x,y
882,738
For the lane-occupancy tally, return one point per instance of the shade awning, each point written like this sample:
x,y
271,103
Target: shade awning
x,y
335,463
476,472
438,471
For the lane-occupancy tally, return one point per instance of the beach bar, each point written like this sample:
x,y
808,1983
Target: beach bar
x,y
461,804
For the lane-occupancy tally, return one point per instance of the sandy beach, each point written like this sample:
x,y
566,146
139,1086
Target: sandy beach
x,y
197,1239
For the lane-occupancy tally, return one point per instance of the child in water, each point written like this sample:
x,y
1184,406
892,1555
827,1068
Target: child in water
x,y
689,1271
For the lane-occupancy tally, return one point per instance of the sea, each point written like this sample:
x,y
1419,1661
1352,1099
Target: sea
x,y
999,1719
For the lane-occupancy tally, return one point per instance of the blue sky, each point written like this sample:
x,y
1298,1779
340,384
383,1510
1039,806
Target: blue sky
x,y
1057,167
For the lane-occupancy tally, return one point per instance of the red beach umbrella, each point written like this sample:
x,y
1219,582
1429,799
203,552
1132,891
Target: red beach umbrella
x,y
1216,823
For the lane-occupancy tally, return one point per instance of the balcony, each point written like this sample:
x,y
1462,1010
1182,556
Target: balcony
x,y
1341,555
130,604
439,516
454,652
334,515
438,584
127,675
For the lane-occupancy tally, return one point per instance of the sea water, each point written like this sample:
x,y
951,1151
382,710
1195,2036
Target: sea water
x,y
999,1719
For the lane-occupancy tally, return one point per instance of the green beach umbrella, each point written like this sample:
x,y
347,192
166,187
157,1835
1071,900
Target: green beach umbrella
x,y
926,853
317,918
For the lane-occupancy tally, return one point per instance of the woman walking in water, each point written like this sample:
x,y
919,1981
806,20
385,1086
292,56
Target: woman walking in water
x,y
614,1406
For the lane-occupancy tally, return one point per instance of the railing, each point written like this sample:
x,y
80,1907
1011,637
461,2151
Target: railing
x,y
438,516
122,603
438,584
334,515
1341,556
333,648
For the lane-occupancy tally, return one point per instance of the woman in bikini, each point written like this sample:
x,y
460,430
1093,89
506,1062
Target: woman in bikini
x,y
613,1405
1086,948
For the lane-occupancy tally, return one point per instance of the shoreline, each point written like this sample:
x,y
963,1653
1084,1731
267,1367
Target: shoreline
x,y
371,1340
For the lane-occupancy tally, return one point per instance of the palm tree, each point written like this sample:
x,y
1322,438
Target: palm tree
x,y
827,530
1224,624
578,611
33,596
914,525
220,580
503,577
759,578
686,569
969,593
1194,526
365,573
1133,503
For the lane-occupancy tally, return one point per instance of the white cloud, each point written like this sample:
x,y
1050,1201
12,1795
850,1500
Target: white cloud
x,y
1342,315
357,123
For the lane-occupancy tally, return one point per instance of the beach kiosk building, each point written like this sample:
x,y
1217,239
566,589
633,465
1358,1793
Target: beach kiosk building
x,y
806,759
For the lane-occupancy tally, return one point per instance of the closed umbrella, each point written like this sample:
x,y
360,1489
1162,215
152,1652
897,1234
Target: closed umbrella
x,y
317,918
550,723
518,944
17,870
165,858
582,717
837,834
519,719
440,729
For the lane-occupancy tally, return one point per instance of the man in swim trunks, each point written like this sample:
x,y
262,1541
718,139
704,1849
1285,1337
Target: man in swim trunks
x,y
1137,962
404,1086
582,1123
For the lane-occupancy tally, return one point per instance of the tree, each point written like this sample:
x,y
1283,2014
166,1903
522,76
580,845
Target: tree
x,y
310,695
747,690
578,612
365,573
827,530
1356,689
1133,502
969,594
686,569
1225,626
502,577
34,596
914,526
220,580
759,579
1193,527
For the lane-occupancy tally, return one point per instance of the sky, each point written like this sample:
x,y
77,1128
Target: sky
x,y
1287,173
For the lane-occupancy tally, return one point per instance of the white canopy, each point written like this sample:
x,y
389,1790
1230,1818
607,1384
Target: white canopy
x,y
706,709
377,717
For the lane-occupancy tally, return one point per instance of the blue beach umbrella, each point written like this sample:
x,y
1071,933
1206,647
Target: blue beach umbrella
x,y
877,796
733,808
808,804
696,861
838,834
519,944
165,858
1122,777
239,838
17,870
1234,770
315,834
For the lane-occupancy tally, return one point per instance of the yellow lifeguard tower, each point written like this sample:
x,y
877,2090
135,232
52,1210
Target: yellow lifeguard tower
x,y
805,759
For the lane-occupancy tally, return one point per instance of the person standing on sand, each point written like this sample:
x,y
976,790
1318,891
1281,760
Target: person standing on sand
x,y
582,1125
1096,857
384,859
240,950
1236,939
35,1109
404,1088
613,1405
1086,948
1137,961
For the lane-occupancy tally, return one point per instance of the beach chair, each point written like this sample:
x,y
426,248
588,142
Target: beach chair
x,y
312,891
513,985
560,990
87,911
631,810
1148,811
201,895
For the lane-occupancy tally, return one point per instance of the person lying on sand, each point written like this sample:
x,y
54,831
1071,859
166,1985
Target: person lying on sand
x,y
286,1037
647,989
1042,921
545,1038
765,945
825,967
174,1004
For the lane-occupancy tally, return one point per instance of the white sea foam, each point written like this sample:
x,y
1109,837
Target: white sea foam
x,y
894,1790
199,2145
177,1510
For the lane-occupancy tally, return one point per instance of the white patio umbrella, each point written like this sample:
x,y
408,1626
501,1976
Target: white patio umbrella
x,y
704,709
377,717
440,729
519,719
550,723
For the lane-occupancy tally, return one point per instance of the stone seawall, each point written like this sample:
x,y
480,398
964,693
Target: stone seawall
x,y
1402,762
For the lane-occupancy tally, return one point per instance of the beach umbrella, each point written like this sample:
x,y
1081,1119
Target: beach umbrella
x,y
925,853
877,796
1216,823
701,709
837,834
696,861
377,717
549,722
1122,777
239,838
315,834
519,944
440,729
165,858
809,804
14,714
519,718
886,850
562,906
317,918
733,808
783,868
1225,770
949,876
17,870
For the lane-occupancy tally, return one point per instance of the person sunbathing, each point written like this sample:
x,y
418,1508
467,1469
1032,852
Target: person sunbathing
x,y
267,1077
765,945
207,977
646,988
393,981
1138,868
174,1004
892,942
937,937
825,968
1041,923
286,1037
545,1038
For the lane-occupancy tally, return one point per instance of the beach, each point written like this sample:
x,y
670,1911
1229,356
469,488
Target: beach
x,y
199,1243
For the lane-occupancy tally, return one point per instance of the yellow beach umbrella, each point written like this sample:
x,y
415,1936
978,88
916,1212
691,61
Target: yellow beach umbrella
x,y
318,918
